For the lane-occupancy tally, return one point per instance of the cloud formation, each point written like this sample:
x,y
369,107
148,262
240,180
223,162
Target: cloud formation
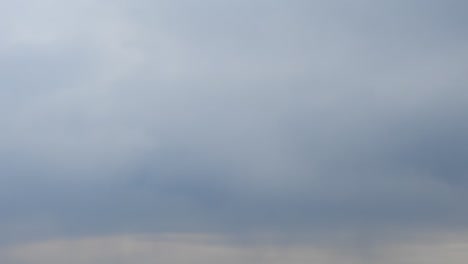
x,y
309,119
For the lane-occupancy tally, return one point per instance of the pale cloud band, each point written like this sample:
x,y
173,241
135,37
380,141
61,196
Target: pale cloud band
x,y
199,248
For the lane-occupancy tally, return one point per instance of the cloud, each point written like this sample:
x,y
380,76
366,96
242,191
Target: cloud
x,y
163,249
307,118
196,248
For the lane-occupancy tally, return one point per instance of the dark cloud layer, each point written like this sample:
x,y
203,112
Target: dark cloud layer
x,y
305,117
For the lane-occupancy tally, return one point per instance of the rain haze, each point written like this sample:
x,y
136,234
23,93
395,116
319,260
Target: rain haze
x,y
227,132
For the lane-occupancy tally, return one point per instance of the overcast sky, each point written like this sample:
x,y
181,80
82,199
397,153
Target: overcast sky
x,y
242,131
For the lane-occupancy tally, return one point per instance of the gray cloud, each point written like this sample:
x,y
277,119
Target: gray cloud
x,y
305,118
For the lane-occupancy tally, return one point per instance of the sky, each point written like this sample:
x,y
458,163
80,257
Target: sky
x,y
216,131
